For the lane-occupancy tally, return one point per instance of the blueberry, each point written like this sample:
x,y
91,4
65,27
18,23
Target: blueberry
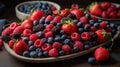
x,y
38,50
33,54
50,40
57,38
40,34
91,22
46,4
63,37
74,50
80,30
40,55
26,53
112,25
61,53
59,24
96,25
79,24
87,27
32,48
87,46
62,32
52,22
42,20
25,39
30,43
99,20
91,60
45,53
44,40
88,16
75,21
48,12
67,41
47,21
35,22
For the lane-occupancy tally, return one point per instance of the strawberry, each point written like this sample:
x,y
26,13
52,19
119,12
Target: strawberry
x,y
27,33
27,24
105,5
64,12
20,47
102,35
101,54
7,31
19,29
96,9
104,14
69,27
78,13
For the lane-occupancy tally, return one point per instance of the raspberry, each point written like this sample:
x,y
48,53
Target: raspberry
x,y
18,29
7,31
1,43
53,52
66,48
57,45
33,37
79,45
57,19
85,36
13,25
84,20
103,24
27,32
50,26
49,18
48,34
38,43
93,28
75,36
11,43
46,47
46,30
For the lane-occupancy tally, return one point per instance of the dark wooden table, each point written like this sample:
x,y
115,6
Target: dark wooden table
x,y
7,60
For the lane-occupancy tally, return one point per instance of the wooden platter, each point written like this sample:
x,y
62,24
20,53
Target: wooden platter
x,y
60,58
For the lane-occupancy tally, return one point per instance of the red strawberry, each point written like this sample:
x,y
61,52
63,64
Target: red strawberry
x,y
78,12
27,24
75,36
48,34
49,18
66,48
104,14
64,12
27,32
18,29
1,43
7,31
46,47
11,43
79,45
85,36
101,34
69,27
57,45
105,5
33,37
96,10
101,54
20,47
57,19
53,52
84,20
37,14
38,43
13,25
113,14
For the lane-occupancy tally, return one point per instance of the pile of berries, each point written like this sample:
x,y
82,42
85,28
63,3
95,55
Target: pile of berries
x,y
45,7
105,10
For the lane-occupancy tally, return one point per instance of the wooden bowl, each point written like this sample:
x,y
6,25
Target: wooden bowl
x,y
21,16
117,5
54,59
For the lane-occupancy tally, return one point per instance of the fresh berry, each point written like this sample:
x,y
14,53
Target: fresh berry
x,y
33,37
85,36
48,34
46,47
75,36
61,53
104,14
32,48
30,43
33,54
40,34
35,22
79,45
84,20
53,52
105,5
27,24
74,6
101,54
49,18
91,60
57,45
57,19
80,30
50,40
13,25
26,54
64,12
27,33
7,31
11,43
103,24
38,43
19,29
66,48
1,43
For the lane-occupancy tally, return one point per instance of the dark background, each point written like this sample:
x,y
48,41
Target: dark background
x,y
8,61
